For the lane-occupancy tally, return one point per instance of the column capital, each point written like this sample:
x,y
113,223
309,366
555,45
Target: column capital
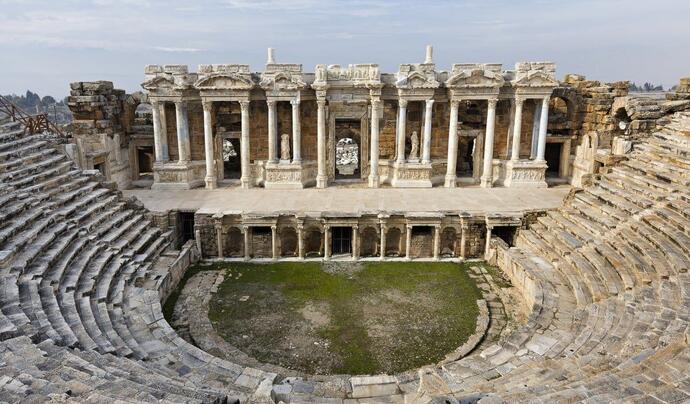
x,y
455,104
355,226
429,102
207,105
375,101
519,99
154,102
402,103
180,102
300,226
218,226
408,226
546,100
244,228
295,102
270,102
244,105
274,227
321,102
492,102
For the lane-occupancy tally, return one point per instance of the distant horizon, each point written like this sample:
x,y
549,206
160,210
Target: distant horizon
x,y
47,44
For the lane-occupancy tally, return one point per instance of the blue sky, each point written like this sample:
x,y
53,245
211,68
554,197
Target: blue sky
x,y
47,44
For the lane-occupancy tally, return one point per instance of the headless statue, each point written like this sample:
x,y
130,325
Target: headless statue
x,y
414,152
285,147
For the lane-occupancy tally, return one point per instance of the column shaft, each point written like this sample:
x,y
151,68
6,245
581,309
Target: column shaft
x,y
296,133
426,144
463,241
488,241
402,118
327,242
272,132
157,133
437,241
321,179
452,145
182,131
488,168
163,125
517,127
535,131
382,242
244,146
355,246
274,242
247,243
374,153
300,241
543,124
219,240
408,242
208,146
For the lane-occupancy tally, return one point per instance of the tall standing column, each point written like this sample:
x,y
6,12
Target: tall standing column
x,y
452,144
300,241
463,240
402,118
488,241
374,153
208,146
426,144
535,131
247,243
296,133
274,242
437,241
244,146
163,125
543,123
327,242
157,133
321,179
272,129
408,241
182,131
517,127
355,242
487,170
219,239
382,241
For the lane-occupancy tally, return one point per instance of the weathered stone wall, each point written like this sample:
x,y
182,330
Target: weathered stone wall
x,y
204,227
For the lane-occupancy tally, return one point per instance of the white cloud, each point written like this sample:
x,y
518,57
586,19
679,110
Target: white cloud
x,y
183,50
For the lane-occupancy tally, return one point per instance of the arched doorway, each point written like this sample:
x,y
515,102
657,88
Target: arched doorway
x,y
288,242
234,243
448,242
370,242
312,243
348,153
227,129
393,238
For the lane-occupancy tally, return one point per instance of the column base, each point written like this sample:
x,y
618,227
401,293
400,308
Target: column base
x,y
211,182
487,182
246,183
451,181
374,182
321,181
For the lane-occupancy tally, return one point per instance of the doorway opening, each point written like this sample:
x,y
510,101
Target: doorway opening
x,y
185,226
262,242
421,243
341,242
552,155
232,165
145,162
465,163
505,233
348,153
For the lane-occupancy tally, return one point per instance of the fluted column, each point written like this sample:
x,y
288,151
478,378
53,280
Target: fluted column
x,y
402,118
247,243
382,241
321,179
208,146
182,131
517,128
244,146
487,170
163,125
296,133
300,241
452,145
157,133
272,132
543,123
408,241
374,153
426,144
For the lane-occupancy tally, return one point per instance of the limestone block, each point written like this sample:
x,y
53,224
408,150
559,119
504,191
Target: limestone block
x,y
373,386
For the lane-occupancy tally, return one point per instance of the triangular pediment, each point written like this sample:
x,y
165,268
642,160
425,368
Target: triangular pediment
x,y
282,81
225,81
536,79
159,82
416,79
475,78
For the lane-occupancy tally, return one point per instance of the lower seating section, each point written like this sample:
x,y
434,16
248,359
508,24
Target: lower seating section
x,y
604,280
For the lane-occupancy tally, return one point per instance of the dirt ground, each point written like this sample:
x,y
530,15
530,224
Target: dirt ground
x,y
359,318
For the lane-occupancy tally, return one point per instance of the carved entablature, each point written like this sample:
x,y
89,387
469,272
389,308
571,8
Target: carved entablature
x,y
534,78
355,75
168,80
224,77
417,80
475,80
281,79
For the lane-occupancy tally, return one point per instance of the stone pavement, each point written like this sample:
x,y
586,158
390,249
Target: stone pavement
x,y
473,200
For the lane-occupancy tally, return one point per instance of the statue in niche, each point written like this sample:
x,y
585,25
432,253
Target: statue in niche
x,y
414,151
285,147
321,73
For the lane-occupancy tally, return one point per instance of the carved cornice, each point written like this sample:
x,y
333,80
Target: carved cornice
x,y
225,81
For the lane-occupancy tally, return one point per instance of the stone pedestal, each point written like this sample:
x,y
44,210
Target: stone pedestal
x,y
289,175
411,175
525,173
178,175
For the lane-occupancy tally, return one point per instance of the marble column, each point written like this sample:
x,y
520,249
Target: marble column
x,y
300,241
543,124
296,133
321,178
408,241
437,242
535,131
244,146
182,131
355,242
374,152
382,241
463,240
157,133
219,239
210,179
402,118
452,144
426,138
163,125
327,242
487,170
517,127
247,243
272,132
488,241
274,243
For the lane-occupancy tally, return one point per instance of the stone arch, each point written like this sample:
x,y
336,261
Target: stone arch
x,y
370,242
288,242
234,242
393,240
563,112
449,242
313,242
